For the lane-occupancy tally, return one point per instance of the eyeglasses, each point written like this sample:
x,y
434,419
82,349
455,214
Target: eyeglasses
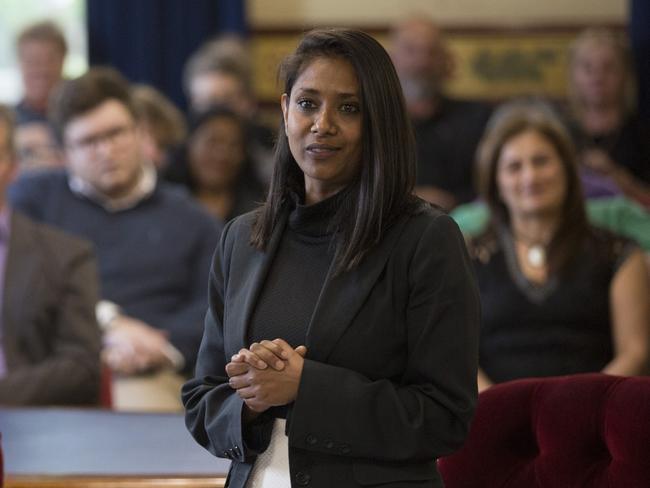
x,y
116,135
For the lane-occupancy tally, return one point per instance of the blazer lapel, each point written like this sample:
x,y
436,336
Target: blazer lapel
x,y
20,275
244,303
343,295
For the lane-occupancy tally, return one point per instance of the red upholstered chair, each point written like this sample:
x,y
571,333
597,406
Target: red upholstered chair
x,y
105,388
588,430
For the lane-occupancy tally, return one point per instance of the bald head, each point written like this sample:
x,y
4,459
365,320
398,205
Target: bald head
x,y
419,49
423,63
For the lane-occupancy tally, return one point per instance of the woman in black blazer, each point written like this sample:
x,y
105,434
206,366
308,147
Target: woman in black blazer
x,y
340,345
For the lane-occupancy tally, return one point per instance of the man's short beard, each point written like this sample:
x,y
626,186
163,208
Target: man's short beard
x,y
420,88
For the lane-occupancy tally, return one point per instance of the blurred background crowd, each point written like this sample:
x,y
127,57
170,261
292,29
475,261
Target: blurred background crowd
x,y
116,182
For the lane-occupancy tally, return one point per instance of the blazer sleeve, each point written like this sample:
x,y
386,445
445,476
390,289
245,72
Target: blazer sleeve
x,y
213,410
70,374
426,413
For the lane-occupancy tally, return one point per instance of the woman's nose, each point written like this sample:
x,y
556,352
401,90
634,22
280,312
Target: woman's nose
x,y
324,122
529,172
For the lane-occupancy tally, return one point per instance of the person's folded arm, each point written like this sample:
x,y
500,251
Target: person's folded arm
x,y
214,413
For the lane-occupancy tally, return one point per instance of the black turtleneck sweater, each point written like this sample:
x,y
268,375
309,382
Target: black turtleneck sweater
x,y
293,285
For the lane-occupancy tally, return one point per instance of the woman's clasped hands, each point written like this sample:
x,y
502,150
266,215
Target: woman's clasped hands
x,y
267,374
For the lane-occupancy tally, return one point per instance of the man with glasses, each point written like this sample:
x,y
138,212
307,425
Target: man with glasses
x,y
49,340
154,243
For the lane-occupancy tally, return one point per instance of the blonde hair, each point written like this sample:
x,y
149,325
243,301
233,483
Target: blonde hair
x,y
45,31
618,42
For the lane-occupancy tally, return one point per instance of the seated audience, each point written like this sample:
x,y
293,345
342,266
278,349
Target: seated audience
x,y
215,166
447,130
41,49
613,142
49,339
36,147
154,243
558,296
219,73
161,122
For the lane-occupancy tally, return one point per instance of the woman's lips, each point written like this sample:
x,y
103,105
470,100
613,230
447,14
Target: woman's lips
x,y
321,150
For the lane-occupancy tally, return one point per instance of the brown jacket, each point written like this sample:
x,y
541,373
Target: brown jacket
x,y
49,334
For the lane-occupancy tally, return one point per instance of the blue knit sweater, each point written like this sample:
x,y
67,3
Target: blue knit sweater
x,y
153,258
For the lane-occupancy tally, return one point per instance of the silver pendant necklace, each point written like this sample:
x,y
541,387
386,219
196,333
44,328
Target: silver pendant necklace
x,y
536,256
534,251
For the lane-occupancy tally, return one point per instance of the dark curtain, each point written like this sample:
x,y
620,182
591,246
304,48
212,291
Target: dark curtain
x,y
150,40
639,30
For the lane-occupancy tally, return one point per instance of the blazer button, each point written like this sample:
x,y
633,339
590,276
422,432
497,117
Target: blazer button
x,y
311,440
345,449
227,454
302,479
237,450
329,443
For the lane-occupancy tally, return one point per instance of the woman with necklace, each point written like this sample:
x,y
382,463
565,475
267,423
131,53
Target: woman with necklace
x,y
340,345
558,296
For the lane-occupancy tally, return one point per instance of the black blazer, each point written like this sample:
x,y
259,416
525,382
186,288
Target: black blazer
x,y
50,336
389,382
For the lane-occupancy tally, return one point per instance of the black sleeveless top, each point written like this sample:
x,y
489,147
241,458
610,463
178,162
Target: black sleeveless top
x,y
560,327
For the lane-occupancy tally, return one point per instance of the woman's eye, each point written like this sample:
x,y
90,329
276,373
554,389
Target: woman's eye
x,y
513,167
540,160
306,104
350,108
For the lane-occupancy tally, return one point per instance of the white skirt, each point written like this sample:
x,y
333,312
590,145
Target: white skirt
x,y
271,468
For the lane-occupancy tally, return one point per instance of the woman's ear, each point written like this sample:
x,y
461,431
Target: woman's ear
x,y
284,103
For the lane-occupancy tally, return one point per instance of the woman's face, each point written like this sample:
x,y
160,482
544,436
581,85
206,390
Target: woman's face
x,y
531,179
216,153
323,118
598,74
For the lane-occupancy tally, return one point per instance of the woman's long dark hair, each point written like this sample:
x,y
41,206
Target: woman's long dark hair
x,y
510,120
383,188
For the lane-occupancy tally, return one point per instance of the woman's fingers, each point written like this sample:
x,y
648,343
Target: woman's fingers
x,y
235,369
246,392
284,347
248,357
270,353
261,355
239,382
